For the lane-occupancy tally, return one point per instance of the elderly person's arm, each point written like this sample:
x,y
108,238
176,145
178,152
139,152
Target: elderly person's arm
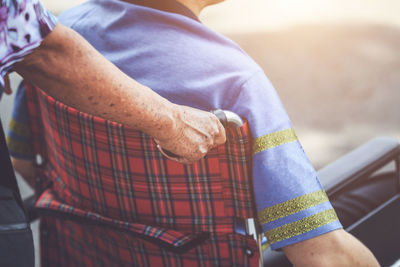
x,y
65,60
337,248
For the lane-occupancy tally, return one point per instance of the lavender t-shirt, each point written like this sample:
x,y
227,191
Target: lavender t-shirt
x,y
181,59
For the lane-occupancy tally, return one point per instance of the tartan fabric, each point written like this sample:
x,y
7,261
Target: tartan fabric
x,y
115,197
87,245
48,204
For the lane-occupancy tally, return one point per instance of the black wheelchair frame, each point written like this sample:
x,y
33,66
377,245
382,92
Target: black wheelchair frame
x,y
379,230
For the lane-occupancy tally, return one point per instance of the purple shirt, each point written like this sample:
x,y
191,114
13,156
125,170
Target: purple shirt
x,y
172,52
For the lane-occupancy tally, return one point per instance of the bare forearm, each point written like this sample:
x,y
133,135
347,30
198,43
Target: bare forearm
x,y
72,71
66,67
26,168
337,248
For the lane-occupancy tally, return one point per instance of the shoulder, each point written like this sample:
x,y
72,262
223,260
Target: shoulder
x,y
76,14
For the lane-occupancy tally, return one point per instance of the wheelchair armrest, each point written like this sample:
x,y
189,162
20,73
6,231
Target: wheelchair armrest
x,y
361,162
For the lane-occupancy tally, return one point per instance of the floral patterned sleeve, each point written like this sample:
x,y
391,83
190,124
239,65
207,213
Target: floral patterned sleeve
x,y
23,25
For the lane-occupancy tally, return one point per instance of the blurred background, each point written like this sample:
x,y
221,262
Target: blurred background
x,y
335,64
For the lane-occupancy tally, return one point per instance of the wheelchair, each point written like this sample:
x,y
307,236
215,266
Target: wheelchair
x,y
378,229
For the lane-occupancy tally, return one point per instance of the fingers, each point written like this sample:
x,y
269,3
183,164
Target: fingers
x,y
179,159
197,133
169,155
220,135
191,148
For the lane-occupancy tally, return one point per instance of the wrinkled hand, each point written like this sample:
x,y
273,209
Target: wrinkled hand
x,y
194,134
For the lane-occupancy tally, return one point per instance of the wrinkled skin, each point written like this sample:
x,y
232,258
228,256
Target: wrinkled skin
x,y
108,93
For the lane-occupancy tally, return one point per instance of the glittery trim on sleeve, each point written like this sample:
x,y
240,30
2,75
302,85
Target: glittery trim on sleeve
x,y
19,129
292,206
19,149
300,227
274,139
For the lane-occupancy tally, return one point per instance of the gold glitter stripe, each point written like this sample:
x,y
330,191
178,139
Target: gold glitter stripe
x,y
19,128
273,139
292,206
300,227
19,147
265,246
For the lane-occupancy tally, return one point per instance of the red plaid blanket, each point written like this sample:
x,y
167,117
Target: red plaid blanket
x,y
111,199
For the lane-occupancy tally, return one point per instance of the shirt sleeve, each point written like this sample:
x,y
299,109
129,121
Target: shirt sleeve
x,y
291,204
19,136
23,25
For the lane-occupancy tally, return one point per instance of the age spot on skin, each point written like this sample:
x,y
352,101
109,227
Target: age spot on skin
x,y
111,105
90,98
